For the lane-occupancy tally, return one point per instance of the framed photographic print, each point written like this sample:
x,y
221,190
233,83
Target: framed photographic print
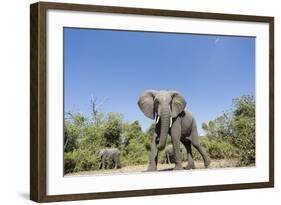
x,y
135,102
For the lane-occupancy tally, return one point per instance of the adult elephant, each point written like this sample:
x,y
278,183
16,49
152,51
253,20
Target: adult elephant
x,y
168,110
109,158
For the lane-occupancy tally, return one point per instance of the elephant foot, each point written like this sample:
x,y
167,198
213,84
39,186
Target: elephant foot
x,y
151,169
207,162
178,167
190,166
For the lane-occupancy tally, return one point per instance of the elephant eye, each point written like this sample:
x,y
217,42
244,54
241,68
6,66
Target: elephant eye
x,y
156,102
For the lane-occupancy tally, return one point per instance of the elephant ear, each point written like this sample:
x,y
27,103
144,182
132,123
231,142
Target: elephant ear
x,y
146,103
178,103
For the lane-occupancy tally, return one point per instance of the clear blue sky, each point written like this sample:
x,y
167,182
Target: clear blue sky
x,y
208,70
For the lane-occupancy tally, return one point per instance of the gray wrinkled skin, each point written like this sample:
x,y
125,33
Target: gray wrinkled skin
x,y
109,158
169,154
167,108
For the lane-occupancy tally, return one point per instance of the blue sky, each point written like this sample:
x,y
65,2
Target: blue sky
x,y
208,70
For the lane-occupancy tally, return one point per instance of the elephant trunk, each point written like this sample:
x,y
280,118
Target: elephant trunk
x,y
165,122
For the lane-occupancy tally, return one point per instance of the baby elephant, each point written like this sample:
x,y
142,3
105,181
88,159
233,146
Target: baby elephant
x,y
110,158
169,154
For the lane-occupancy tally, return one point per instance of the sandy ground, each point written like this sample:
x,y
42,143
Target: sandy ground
x,y
161,167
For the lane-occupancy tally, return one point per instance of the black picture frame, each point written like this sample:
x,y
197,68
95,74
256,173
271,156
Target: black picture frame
x,y
38,102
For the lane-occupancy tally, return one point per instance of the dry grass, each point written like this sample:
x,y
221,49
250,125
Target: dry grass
x,y
223,163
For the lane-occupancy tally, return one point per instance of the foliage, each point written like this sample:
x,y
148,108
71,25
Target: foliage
x,y
88,136
134,153
80,160
112,130
244,128
237,128
219,149
134,149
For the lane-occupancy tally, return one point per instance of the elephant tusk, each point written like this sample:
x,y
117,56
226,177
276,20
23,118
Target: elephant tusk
x,y
157,120
171,121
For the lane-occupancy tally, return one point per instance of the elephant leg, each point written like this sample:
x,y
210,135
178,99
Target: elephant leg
x,y
116,161
195,142
176,135
103,163
108,163
119,163
201,150
177,153
111,163
168,159
153,158
190,160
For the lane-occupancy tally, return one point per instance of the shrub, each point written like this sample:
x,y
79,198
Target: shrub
x,y
69,162
112,129
134,153
216,149
244,129
80,160
236,128
245,140
221,150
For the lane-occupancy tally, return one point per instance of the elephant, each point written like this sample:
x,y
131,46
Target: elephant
x,y
169,154
167,108
65,137
109,158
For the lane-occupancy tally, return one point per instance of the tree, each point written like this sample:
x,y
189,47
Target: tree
x,y
134,146
150,130
236,127
244,106
95,107
112,129
76,125
219,128
77,119
243,125
133,131
82,154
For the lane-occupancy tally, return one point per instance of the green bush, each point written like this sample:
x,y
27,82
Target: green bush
x,y
244,129
112,129
87,137
80,160
134,154
235,128
69,162
220,150
216,149
245,141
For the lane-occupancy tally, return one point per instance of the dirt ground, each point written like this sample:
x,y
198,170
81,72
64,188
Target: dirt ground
x,y
161,167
